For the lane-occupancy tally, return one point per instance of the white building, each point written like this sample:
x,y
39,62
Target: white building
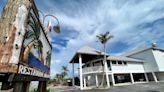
x,y
139,66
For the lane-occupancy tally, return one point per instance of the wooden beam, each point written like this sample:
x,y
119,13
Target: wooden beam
x,y
42,86
18,87
8,68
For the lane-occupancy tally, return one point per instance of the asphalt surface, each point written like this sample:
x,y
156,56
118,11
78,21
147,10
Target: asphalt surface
x,y
144,87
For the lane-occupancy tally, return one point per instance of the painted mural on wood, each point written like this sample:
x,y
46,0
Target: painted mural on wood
x,y
24,47
36,51
10,42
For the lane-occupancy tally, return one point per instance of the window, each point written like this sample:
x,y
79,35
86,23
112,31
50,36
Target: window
x,y
119,62
108,63
97,63
102,63
125,63
88,65
113,62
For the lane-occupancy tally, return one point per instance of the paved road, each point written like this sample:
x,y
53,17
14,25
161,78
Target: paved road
x,y
146,87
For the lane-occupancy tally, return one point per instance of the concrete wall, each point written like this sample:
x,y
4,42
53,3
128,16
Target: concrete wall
x,y
150,64
133,67
159,57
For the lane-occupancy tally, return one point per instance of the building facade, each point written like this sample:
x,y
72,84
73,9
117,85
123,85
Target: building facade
x,y
139,66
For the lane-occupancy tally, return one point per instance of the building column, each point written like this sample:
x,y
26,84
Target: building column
x,y
81,75
73,74
154,76
132,79
106,73
147,80
113,80
85,82
97,82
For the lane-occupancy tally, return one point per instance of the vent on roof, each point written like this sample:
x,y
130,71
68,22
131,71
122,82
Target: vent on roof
x,y
154,45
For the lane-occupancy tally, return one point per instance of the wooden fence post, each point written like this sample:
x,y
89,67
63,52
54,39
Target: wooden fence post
x,y
42,86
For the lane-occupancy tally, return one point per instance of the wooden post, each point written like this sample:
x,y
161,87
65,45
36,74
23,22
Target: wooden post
x,y
26,86
42,86
18,86
5,85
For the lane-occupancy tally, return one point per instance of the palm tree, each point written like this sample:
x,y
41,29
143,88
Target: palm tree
x,y
103,39
34,35
48,58
65,70
59,78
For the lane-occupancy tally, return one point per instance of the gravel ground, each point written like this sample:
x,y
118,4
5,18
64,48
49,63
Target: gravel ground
x,y
145,87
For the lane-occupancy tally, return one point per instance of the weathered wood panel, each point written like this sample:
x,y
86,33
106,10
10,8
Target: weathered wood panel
x,y
8,68
23,41
10,90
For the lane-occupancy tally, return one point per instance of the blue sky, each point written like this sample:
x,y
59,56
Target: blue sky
x,y
134,24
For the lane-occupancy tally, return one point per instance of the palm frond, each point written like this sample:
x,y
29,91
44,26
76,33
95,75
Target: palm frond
x,y
30,34
103,38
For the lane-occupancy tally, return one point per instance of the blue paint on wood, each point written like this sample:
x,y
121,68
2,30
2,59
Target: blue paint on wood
x,y
35,63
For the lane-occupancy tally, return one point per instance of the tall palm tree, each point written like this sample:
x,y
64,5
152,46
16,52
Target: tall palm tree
x,y
65,70
59,78
103,39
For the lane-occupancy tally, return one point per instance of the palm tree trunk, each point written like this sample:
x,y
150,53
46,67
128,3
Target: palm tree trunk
x,y
27,51
102,83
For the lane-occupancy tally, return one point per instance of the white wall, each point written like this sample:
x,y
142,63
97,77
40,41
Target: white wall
x,y
159,57
133,67
160,76
92,80
100,78
150,64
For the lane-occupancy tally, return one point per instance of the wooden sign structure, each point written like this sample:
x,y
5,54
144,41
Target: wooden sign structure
x,y
25,51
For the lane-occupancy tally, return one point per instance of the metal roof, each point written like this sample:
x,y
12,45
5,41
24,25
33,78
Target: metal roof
x,y
122,58
87,54
139,50
90,50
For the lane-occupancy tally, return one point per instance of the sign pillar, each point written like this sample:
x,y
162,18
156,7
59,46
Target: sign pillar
x,y
42,86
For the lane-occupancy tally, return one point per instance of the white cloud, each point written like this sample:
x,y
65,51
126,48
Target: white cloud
x,y
120,17
53,73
